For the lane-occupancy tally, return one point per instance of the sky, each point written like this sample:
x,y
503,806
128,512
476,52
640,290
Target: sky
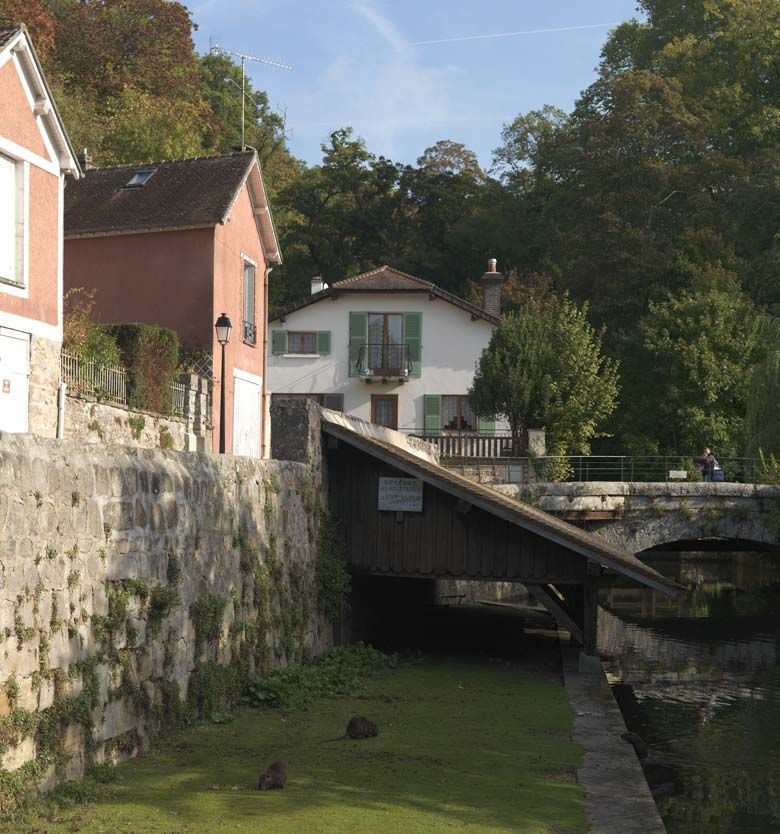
x,y
406,73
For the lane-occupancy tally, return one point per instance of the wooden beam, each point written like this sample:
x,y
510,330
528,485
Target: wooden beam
x,y
554,605
590,625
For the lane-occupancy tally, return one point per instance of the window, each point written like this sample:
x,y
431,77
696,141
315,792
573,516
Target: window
x,y
301,342
249,330
456,414
385,342
139,179
12,216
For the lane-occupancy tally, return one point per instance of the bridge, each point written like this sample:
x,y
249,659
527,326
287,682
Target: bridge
x,y
638,516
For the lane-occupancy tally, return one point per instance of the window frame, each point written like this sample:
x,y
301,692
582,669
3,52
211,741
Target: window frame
x,y
248,324
302,333
18,283
460,400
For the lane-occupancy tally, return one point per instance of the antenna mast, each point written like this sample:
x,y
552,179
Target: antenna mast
x,y
218,50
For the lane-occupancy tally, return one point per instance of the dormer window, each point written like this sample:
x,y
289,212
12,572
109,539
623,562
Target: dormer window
x,y
139,179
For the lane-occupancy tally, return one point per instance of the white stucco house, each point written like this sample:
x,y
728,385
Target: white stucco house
x,y
393,349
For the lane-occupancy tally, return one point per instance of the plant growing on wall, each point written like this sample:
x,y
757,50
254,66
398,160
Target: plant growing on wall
x,y
151,356
82,334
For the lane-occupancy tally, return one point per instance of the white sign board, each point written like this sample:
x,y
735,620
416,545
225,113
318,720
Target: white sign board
x,y
678,474
401,495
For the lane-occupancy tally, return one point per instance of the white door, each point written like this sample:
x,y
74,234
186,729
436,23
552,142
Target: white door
x,y
246,417
14,380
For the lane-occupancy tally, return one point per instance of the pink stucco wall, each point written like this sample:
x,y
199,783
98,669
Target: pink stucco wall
x,y
237,237
182,280
17,124
157,278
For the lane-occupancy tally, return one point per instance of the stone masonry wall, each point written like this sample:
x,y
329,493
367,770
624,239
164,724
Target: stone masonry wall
x,y
44,386
92,422
140,586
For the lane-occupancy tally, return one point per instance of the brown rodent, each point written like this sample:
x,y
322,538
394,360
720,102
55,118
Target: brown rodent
x,y
360,727
275,777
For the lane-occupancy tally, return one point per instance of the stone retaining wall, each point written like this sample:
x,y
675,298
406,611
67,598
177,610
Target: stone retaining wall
x,y
139,586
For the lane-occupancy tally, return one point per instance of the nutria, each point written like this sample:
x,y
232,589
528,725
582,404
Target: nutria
x,y
274,777
360,727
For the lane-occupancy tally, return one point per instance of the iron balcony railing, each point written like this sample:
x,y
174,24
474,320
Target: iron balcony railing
x,y
383,361
250,333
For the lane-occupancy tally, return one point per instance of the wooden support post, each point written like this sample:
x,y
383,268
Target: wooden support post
x,y
590,617
547,596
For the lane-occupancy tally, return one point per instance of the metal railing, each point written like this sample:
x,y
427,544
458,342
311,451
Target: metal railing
x,y
382,361
469,444
108,383
250,333
621,468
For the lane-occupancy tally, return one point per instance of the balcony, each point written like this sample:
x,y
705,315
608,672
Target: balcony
x,y
250,333
384,363
470,444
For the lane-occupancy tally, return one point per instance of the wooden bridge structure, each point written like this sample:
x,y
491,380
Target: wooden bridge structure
x,y
405,516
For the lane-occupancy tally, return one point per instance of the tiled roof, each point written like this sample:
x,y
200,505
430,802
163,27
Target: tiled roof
x,y
529,518
180,193
7,33
389,280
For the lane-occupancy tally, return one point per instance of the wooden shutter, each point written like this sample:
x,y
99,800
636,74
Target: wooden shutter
x,y
279,341
334,401
8,219
323,342
432,413
358,336
249,292
413,341
487,425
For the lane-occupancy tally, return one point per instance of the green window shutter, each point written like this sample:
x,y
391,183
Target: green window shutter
x,y
279,341
487,425
358,336
413,341
323,342
432,413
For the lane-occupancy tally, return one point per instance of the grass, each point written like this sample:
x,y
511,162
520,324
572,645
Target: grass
x,y
463,746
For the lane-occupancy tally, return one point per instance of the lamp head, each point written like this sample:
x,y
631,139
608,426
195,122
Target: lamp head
x,y
223,328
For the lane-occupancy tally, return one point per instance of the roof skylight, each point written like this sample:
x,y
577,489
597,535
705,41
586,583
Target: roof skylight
x,y
139,179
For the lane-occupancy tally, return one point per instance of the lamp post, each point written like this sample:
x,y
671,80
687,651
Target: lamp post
x,y
223,328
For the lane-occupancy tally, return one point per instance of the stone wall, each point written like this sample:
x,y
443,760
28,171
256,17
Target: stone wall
x,y
90,421
139,586
44,386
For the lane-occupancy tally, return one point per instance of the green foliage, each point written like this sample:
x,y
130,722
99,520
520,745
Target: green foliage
x,y
151,356
11,687
339,672
213,689
333,579
544,368
136,424
161,600
166,438
207,614
82,334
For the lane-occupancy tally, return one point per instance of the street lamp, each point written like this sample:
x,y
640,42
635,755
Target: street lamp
x,y
223,328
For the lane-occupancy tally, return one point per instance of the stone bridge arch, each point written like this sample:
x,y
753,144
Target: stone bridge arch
x,y
646,516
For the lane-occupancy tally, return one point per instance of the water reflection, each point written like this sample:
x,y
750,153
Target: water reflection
x,y
699,679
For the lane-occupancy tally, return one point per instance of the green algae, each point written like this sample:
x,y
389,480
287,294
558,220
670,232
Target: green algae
x,y
463,746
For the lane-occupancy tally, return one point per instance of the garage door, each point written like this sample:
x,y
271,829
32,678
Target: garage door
x,y
246,417
14,379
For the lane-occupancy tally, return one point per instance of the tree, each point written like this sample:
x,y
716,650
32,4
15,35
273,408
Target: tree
x,y
544,367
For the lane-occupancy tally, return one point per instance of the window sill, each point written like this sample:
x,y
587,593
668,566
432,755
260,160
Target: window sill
x,y
17,285
300,355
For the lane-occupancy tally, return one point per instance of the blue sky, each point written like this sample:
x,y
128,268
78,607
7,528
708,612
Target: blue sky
x,y
361,63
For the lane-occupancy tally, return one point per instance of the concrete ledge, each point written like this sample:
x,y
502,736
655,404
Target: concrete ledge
x,y
578,489
618,797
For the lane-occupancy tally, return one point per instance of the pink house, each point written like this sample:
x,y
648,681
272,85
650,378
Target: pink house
x,y
35,157
177,244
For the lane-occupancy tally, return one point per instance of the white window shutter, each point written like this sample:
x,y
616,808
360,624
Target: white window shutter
x,y
9,202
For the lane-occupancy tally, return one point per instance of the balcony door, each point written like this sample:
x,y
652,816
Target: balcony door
x,y
385,342
384,410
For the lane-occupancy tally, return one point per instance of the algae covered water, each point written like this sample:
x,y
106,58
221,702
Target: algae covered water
x,y
699,679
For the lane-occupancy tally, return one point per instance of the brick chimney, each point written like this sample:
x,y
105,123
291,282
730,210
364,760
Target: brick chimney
x,y
85,160
491,289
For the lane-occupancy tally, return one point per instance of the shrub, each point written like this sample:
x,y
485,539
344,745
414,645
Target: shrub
x,y
151,355
82,334
339,672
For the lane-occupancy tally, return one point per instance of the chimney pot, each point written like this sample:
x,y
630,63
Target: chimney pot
x,y
85,160
318,284
491,289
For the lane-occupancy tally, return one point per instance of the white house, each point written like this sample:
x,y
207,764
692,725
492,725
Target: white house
x,y
390,348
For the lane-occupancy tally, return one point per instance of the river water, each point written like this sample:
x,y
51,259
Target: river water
x,y
699,679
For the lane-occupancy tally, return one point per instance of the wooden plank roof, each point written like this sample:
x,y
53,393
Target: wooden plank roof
x,y
529,518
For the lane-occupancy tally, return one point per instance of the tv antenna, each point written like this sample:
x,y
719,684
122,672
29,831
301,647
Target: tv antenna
x,y
218,50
